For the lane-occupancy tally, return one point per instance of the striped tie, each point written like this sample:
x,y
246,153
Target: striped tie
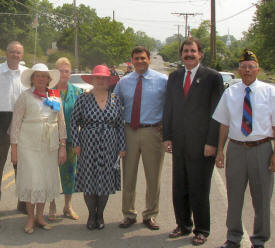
x,y
247,113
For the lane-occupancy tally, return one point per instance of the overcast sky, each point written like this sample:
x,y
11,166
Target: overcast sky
x,y
155,17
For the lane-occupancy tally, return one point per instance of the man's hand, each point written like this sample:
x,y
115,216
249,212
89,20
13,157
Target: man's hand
x,y
77,151
220,159
62,155
209,150
167,146
272,163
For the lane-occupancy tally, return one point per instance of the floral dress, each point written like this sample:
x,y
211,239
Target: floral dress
x,y
100,134
68,169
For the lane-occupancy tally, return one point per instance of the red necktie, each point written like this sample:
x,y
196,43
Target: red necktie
x,y
135,116
187,83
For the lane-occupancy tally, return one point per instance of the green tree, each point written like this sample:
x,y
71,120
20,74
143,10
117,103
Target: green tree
x,y
14,26
261,35
142,39
104,41
169,52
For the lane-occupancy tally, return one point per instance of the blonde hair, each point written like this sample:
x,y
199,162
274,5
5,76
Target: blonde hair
x,y
63,61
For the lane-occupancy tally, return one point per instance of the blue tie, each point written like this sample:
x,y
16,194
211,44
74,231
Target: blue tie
x,y
247,113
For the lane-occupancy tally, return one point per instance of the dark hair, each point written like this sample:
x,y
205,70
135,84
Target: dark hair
x,y
190,41
140,49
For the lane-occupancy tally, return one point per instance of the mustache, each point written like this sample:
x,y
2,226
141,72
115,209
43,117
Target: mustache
x,y
189,57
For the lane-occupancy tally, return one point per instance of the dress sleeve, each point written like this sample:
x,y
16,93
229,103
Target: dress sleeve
x,y
120,127
76,120
61,123
17,118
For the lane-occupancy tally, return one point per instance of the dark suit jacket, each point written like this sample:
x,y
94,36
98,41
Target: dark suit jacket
x,y
188,122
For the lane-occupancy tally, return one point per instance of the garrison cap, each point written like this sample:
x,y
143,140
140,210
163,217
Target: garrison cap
x,y
248,55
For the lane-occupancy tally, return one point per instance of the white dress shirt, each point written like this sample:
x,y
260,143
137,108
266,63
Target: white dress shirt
x,y
10,86
192,75
229,111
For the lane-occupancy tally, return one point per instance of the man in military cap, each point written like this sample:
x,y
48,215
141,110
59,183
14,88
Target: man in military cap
x,y
246,112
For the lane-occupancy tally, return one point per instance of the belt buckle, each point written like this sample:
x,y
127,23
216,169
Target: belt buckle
x,y
250,144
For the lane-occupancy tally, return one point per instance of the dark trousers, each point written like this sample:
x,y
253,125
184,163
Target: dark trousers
x,y
191,189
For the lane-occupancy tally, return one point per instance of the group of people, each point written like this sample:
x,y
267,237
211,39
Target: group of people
x,y
54,125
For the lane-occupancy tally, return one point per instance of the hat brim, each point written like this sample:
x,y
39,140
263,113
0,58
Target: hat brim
x,y
26,77
88,78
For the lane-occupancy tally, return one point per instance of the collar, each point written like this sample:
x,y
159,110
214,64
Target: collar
x,y
146,75
251,86
194,70
5,68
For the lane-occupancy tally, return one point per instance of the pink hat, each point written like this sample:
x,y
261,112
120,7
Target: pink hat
x,y
99,70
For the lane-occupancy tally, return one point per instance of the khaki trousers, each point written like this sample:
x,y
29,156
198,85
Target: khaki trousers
x,y
146,142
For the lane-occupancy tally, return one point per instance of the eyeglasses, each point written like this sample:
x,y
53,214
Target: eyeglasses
x,y
250,67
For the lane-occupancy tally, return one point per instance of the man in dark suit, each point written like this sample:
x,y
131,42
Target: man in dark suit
x,y
191,135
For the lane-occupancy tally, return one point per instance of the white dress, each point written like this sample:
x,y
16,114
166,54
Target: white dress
x,y
37,129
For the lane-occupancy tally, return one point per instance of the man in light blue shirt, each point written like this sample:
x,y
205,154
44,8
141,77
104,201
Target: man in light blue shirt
x,y
142,93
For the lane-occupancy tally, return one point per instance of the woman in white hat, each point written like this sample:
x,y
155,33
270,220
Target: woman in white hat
x,y
38,139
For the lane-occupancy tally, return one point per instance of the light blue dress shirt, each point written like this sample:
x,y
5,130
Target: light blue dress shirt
x,y
152,98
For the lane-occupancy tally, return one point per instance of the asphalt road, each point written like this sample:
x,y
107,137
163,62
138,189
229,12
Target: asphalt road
x,y
73,234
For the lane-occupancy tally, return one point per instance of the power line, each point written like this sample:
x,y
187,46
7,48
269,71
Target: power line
x,y
16,14
169,2
44,14
227,18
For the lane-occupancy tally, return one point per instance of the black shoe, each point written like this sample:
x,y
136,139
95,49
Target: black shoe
x,y
230,244
177,232
92,221
257,246
100,222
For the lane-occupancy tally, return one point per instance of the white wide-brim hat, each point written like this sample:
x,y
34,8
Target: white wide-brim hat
x,y
26,75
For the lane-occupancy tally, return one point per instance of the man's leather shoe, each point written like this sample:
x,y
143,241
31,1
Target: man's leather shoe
x,y
230,244
127,222
151,224
177,232
257,246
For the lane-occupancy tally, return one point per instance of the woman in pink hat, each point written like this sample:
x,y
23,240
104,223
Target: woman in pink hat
x,y
98,139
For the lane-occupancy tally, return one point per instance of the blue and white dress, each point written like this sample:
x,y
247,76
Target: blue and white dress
x,y
100,134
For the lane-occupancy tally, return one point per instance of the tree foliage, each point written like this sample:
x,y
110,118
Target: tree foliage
x,y
100,40
104,41
13,25
261,35
226,57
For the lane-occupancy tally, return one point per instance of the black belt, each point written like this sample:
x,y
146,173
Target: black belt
x,y
251,143
147,125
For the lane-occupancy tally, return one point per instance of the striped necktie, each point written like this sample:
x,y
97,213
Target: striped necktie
x,y
247,113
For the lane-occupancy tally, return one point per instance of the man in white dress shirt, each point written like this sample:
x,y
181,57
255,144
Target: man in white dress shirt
x,y
10,89
246,112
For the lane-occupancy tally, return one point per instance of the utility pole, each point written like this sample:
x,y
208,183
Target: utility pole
x,y
178,43
213,32
113,15
186,20
75,38
35,25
